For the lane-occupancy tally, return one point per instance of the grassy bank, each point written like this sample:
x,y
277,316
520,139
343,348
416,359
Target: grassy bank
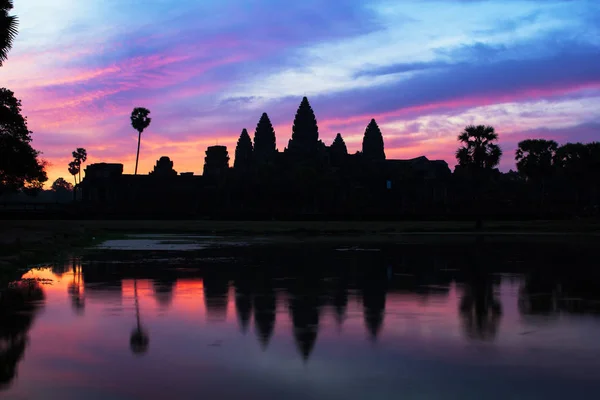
x,y
24,243
28,228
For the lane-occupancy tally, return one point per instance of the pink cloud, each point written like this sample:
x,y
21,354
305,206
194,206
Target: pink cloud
x,y
461,104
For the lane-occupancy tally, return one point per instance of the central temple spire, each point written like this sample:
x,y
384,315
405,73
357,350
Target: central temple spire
x,y
305,132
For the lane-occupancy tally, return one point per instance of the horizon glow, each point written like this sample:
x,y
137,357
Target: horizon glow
x,y
423,69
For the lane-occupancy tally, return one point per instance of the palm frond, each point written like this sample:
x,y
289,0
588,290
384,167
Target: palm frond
x,y
8,32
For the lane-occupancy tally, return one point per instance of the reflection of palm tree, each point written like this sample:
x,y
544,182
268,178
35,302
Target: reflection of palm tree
x,y
18,306
480,310
75,289
139,340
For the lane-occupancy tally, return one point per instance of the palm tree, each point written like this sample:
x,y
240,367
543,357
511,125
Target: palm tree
x,y
79,157
139,121
479,152
535,162
478,156
74,170
8,29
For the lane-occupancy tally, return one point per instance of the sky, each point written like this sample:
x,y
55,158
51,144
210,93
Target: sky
x,y
207,69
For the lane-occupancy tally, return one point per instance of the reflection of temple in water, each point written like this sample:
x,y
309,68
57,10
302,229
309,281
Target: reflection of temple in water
x,y
305,307
243,303
216,296
373,296
321,291
265,307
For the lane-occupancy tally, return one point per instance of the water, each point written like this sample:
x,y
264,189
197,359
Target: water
x,y
297,321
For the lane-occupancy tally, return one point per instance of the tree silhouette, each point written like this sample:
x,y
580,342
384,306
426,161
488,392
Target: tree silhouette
x,y
478,156
579,165
61,185
571,158
139,121
74,170
535,158
535,161
8,29
479,151
243,150
372,145
79,157
305,132
20,166
264,140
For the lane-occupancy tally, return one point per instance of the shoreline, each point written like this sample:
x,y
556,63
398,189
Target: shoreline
x,y
316,227
26,242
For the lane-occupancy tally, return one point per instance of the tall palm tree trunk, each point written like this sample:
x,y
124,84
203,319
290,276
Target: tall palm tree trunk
x,y
478,206
138,151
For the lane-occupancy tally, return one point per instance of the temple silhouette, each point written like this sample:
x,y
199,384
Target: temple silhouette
x,y
307,177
